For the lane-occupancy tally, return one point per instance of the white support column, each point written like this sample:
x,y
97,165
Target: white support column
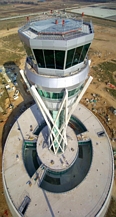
x,y
48,124
65,98
48,115
80,97
41,105
64,125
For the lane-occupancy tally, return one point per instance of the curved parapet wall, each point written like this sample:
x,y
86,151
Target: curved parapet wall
x,y
57,82
92,194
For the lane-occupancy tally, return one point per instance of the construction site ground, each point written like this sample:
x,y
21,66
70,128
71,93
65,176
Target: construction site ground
x,y
99,98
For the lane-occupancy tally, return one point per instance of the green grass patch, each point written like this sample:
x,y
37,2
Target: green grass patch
x,y
7,56
12,49
105,71
112,92
13,42
108,66
9,24
2,99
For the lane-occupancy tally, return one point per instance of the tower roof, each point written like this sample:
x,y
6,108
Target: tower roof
x,y
60,28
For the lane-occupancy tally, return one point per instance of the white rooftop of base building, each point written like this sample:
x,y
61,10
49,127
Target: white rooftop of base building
x,y
84,200
103,10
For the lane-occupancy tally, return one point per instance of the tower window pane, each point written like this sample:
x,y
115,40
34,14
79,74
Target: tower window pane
x,y
28,51
84,52
70,55
49,58
59,58
77,55
39,57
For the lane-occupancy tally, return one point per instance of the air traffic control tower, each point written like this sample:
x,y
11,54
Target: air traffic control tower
x,y
57,158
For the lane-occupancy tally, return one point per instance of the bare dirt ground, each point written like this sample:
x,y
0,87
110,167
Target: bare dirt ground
x,y
102,50
4,33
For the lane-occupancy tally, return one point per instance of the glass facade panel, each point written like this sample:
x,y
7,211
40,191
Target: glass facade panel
x,y
77,55
70,55
28,51
57,95
72,92
54,96
55,59
59,58
30,57
46,94
50,95
84,52
40,92
49,58
39,57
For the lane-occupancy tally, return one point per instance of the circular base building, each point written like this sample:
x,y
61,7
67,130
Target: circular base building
x,y
82,184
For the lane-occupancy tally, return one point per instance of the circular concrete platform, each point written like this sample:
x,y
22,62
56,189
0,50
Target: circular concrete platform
x,y
89,198
60,161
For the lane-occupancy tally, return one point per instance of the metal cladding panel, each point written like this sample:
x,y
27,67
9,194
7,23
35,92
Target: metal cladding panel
x,y
24,38
56,105
58,72
52,82
64,82
60,44
73,43
79,41
60,89
89,37
47,71
48,44
35,43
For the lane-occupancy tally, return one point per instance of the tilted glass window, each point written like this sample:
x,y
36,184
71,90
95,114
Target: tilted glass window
x,y
84,52
70,55
28,50
71,92
54,96
39,57
40,92
49,58
30,57
77,55
50,95
57,95
59,58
